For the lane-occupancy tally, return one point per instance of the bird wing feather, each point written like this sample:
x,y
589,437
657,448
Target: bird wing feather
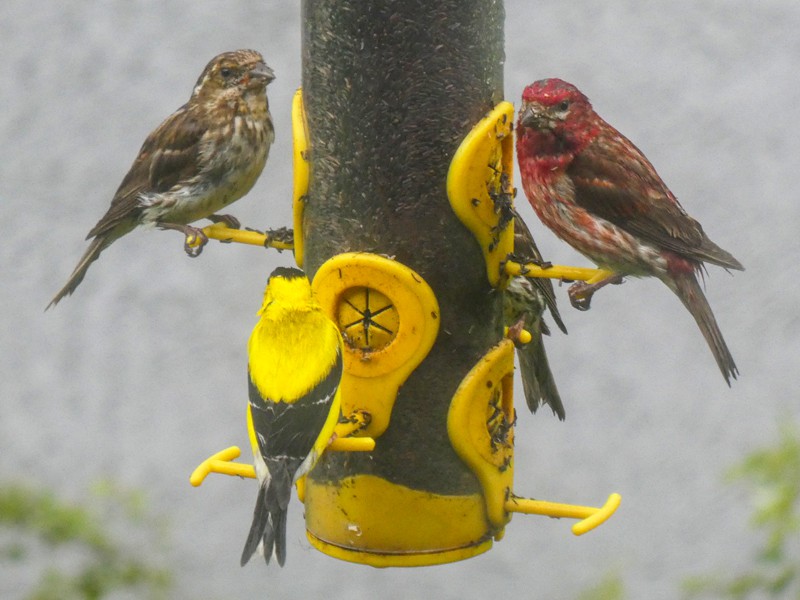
x,y
291,429
626,190
622,190
169,156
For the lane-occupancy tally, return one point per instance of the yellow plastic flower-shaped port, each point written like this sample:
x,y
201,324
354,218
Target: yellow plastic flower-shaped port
x,y
389,318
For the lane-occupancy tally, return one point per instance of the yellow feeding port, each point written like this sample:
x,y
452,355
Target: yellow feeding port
x,y
480,187
480,424
389,319
301,172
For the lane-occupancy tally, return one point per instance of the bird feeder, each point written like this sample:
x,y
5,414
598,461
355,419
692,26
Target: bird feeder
x,y
403,181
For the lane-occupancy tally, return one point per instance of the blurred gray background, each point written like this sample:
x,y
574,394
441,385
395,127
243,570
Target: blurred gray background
x,y
141,374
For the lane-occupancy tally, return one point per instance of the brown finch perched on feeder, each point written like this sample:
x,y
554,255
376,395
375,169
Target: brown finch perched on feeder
x,y
206,155
524,303
597,192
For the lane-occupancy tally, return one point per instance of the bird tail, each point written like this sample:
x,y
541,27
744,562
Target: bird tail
x,y
710,252
538,383
268,531
98,244
687,288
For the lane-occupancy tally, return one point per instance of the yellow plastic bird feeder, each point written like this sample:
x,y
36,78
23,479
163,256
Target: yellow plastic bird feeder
x,y
403,222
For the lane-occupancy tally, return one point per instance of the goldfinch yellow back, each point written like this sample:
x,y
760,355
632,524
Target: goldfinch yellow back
x,y
294,370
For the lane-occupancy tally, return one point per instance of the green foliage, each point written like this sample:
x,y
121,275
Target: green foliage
x,y
773,477
610,588
88,530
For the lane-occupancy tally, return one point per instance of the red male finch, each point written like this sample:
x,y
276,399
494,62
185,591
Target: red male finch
x,y
206,155
597,192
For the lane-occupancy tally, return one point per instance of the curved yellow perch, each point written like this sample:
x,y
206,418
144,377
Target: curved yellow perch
x,y
556,272
222,461
590,516
218,231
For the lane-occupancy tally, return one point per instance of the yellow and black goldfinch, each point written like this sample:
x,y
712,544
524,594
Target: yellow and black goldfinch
x,y
295,365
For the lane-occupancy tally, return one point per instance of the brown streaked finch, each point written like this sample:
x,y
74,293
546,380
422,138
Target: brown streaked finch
x,y
206,155
524,302
596,191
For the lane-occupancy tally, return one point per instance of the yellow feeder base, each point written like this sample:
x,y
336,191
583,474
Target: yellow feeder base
x,y
381,561
368,520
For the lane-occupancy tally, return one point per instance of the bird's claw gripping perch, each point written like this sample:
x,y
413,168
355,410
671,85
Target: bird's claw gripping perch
x,y
581,292
194,237
580,295
518,334
195,241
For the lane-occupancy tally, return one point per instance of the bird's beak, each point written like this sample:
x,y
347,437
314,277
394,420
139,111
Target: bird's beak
x,y
261,73
532,116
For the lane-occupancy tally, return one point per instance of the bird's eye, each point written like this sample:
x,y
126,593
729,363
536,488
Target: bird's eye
x,y
226,72
564,106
